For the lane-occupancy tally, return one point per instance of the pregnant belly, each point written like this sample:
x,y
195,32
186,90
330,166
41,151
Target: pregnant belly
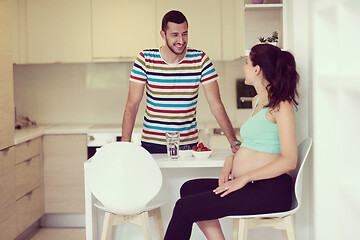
x,y
247,160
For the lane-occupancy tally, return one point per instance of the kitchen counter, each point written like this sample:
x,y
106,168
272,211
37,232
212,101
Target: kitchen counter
x,y
25,134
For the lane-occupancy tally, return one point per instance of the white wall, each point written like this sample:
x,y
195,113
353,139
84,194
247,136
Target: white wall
x,y
301,33
336,116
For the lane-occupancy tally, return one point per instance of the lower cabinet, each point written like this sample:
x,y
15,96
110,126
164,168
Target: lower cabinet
x,y
29,192
64,157
29,208
21,189
7,195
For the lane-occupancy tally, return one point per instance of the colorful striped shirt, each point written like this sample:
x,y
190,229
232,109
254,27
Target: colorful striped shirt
x,y
171,93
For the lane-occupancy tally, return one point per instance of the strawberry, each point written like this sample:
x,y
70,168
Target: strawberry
x,y
201,145
194,148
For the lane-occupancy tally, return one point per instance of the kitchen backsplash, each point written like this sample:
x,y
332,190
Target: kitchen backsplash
x,y
96,93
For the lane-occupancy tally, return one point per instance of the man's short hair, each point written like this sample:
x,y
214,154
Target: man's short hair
x,y
173,16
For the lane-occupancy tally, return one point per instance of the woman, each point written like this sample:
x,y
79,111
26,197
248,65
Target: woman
x,y
259,180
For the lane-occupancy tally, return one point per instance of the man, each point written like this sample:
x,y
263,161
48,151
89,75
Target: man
x,y
172,75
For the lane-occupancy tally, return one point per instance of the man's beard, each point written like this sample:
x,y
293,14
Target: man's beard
x,y
173,50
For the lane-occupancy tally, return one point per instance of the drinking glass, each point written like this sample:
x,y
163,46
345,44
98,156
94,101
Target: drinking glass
x,y
172,144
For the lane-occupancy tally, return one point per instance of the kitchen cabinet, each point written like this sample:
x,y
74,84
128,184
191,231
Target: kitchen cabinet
x,y
29,209
6,77
64,156
117,30
261,20
121,29
29,193
53,31
7,193
7,159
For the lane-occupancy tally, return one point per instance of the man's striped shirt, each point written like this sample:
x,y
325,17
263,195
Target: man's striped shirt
x,y
171,93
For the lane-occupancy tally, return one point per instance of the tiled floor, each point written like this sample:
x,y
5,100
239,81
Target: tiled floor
x,y
59,234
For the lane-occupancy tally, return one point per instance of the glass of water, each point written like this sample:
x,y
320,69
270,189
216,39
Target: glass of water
x,y
172,144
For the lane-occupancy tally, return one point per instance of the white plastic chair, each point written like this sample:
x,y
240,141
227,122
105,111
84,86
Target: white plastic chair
x,y
124,178
280,220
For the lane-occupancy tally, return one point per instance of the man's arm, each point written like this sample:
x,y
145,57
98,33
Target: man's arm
x,y
136,91
217,108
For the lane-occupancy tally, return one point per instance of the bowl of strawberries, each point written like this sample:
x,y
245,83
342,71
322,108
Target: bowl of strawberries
x,y
200,151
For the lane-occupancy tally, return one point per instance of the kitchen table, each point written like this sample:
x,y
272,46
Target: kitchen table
x,y
174,173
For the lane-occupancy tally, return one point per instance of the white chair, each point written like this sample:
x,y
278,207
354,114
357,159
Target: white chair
x,y
280,220
124,178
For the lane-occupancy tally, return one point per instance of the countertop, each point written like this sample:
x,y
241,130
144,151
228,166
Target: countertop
x,y
25,134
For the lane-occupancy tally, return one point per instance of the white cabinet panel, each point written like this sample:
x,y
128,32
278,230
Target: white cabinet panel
x,y
58,31
122,28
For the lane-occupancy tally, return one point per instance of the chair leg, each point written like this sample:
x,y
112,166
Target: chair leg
x,y
235,229
284,235
107,226
289,228
243,229
146,225
240,229
158,223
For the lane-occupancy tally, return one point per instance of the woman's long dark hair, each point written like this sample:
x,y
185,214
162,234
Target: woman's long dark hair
x,y
279,69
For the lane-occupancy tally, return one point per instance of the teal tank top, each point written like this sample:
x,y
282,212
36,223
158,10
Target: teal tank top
x,y
259,134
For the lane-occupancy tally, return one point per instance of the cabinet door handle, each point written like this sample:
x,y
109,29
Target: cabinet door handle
x,y
29,194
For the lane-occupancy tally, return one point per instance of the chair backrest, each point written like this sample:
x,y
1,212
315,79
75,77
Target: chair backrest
x,y
123,176
297,174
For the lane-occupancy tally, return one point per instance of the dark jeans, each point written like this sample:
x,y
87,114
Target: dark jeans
x,y
198,202
158,148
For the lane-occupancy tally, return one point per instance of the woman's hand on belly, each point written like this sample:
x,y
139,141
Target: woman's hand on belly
x,y
231,186
226,170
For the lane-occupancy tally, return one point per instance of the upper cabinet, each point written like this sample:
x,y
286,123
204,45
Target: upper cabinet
x,y
261,20
6,77
53,31
117,30
123,28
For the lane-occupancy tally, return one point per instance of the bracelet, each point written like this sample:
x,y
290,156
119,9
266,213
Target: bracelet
x,y
236,142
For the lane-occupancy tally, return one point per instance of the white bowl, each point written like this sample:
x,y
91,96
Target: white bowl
x,y
204,154
185,153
